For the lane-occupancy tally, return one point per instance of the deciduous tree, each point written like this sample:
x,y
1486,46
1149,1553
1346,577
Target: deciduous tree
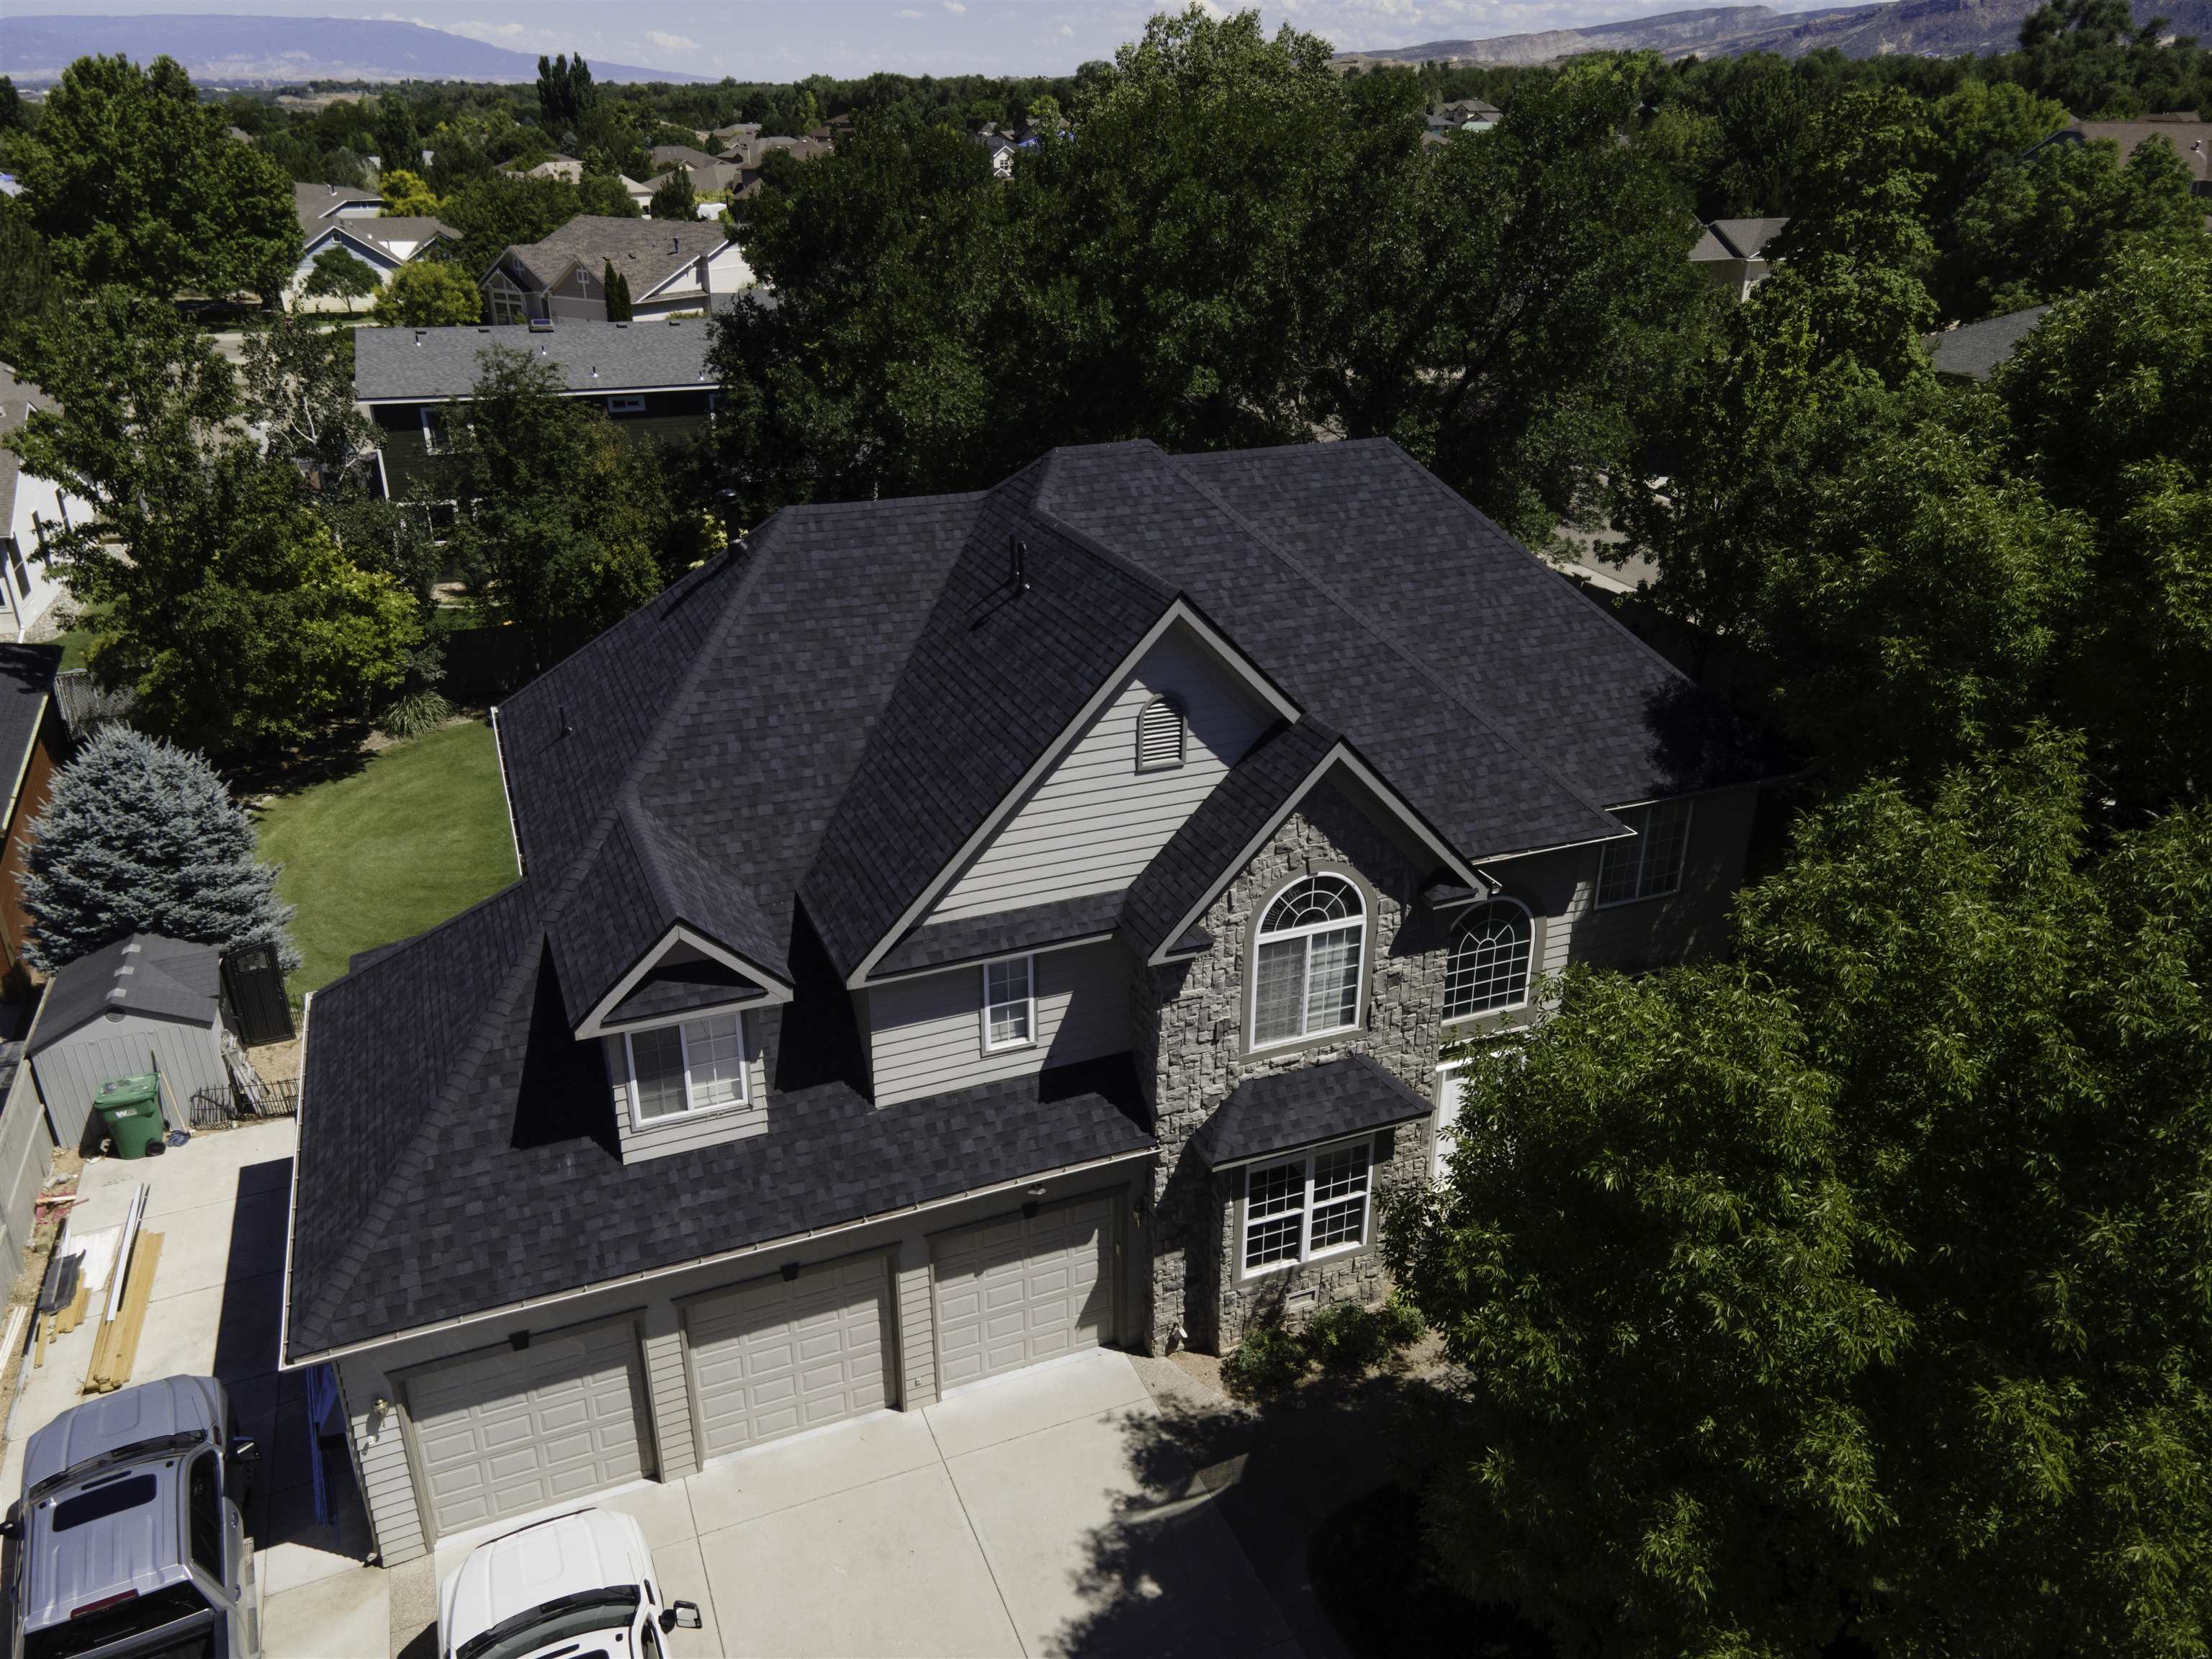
x,y
338,275
428,293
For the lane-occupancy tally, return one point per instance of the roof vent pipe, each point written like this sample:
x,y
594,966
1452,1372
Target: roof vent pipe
x,y
1019,551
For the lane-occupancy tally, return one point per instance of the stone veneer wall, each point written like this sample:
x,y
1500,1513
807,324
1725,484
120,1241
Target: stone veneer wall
x,y
1191,1046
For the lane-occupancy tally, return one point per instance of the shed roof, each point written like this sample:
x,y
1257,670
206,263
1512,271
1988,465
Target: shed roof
x,y
139,974
407,364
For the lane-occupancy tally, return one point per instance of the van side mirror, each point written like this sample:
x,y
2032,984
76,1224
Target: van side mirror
x,y
680,1615
245,1449
12,1526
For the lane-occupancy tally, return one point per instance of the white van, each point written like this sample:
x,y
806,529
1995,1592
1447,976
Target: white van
x,y
581,1585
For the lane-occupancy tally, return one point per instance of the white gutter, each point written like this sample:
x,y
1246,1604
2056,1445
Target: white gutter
x,y
499,755
651,1274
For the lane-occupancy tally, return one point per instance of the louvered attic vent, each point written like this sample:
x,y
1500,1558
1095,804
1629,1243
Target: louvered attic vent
x,y
1159,736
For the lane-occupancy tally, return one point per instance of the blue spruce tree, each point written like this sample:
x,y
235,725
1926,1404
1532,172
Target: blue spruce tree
x,y
142,837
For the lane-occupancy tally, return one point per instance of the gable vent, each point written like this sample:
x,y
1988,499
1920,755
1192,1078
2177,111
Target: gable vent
x,y
1159,736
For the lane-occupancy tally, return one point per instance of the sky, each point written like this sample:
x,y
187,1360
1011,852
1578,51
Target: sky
x,y
784,39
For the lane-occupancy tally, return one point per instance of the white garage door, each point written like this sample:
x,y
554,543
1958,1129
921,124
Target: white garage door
x,y
1012,1292
777,1356
512,1432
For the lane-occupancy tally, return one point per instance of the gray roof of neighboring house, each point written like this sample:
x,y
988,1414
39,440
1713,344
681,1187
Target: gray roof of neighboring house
x,y
1972,350
1736,238
708,176
647,251
1277,1111
405,364
2191,135
138,973
27,684
382,232
319,202
666,158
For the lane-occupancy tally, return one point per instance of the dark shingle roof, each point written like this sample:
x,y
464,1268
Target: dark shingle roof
x,y
1282,1110
793,739
27,684
409,363
1973,350
678,987
1736,238
138,973
972,939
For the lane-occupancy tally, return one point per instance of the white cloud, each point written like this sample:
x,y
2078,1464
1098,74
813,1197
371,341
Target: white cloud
x,y
1212,8
668,42
954,7
1067,28
477,31
912,11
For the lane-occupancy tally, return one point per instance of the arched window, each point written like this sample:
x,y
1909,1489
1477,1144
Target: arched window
x,y
1159,736
1306,972
1490,961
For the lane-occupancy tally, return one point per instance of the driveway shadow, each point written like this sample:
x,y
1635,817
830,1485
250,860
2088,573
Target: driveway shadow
x,y
1271,1474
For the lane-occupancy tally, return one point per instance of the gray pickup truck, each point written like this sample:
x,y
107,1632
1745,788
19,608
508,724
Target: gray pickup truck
x,y
130,1539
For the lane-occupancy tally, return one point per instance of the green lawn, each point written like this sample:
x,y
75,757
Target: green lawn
x,y
415,835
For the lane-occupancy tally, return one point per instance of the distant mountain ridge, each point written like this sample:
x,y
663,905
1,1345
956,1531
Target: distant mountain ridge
x,y
1933,28
228,50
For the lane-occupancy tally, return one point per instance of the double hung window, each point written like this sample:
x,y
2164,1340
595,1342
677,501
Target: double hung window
x,y
1651,866
1305,979
1009,1004
697,1067
1314,1205
1489,967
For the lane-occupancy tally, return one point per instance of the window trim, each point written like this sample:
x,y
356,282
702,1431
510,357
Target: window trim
x,y
1643,845
1307,1254
423,412
625,403
1173,704
634,1101
1261,936
1529,969
1029,999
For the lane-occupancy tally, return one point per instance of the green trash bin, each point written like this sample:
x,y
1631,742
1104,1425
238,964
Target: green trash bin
x,y
131,1106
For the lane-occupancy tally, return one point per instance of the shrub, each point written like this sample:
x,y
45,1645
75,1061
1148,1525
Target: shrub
x,y
1348,1339
1269,1361
416,713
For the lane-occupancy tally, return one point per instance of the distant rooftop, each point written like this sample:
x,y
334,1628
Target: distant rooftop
x,y
405,365
1973,351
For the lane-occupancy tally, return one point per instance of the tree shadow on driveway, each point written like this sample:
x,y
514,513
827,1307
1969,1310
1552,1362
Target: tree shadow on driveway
x,y
1209,1471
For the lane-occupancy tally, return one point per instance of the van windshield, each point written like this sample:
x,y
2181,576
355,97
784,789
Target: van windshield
x,y
564,1620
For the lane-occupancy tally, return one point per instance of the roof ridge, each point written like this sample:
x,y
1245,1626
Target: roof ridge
x,y
1361,620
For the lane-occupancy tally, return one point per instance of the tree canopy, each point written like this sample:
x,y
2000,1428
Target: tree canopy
x,y
428,293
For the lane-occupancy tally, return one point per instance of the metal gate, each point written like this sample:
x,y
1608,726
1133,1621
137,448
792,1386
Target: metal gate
x,y
253,986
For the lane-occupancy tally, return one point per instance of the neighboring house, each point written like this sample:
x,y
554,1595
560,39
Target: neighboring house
x,y
639,193
1973,350
31,508
666,158
672,265
2189,133
652,379
958,931
1465,115
567,168
735,137
1734,251
708,178
318,204
382,244
1001,149
33,744
141,1003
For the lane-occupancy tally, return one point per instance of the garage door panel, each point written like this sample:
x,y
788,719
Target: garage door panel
x,y
518,1431
777,1357
1013,1292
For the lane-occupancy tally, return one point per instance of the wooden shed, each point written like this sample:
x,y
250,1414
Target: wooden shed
x,y
142,1004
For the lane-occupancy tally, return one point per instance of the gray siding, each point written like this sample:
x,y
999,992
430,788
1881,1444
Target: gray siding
x,y
1094,821
917,1328
926,1033
387,1484
665,1384
686,1133
26,1152
71,1069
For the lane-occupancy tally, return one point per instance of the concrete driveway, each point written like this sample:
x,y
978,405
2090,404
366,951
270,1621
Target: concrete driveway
x,y
1021,1517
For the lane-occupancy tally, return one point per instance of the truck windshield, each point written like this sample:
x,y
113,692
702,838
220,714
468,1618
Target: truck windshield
x,y
562,1619
174,1623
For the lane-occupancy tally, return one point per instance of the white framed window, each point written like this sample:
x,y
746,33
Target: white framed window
x,y
1302,1208
1649,867
1489,968
433,421
1009,1004
503,300
1308,961
1160,736
698,1066
627,404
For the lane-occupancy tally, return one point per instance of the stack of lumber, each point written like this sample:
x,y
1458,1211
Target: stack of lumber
x,y
116,1349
